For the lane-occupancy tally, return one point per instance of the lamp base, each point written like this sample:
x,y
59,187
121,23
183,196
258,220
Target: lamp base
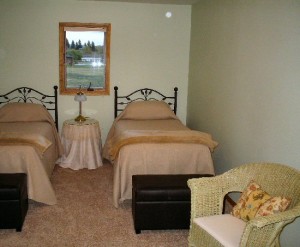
x,y
80,118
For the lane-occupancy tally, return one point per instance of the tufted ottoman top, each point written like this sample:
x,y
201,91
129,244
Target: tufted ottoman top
x,y
166,187
12,185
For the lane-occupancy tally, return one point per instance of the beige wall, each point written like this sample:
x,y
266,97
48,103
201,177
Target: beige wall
x,y
147,49
244,83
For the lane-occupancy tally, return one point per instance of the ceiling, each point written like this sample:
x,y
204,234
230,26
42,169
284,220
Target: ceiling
x,y
178,2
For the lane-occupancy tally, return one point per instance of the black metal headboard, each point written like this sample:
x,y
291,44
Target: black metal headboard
x,y
144,94
30,95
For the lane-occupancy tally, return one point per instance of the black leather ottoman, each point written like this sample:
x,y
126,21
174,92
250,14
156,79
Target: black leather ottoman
x,y
13,200
161,201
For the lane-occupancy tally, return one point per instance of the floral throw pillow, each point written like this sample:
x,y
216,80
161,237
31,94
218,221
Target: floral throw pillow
x,y
256,202
274,205
236,211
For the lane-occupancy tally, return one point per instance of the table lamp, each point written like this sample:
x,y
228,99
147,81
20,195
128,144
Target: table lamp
x,y
80,97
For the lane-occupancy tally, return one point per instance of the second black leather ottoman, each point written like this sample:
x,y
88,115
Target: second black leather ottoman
x,y
13,200
161,201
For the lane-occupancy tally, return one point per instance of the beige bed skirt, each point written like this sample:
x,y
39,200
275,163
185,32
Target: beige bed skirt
x,y
145,158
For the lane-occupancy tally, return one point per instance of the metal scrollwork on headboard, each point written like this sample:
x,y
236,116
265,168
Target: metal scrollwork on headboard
x,y
30,95
144,94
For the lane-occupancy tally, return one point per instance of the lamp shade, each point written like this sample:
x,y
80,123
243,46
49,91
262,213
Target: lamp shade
x,y
80,97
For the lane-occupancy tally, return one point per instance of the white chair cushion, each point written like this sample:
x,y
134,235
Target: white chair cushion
x,y
225,228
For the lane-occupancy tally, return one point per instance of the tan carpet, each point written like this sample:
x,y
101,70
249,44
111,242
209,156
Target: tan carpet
x,y
85,216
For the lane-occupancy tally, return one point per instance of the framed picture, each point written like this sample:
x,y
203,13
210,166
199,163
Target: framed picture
x,y
84,58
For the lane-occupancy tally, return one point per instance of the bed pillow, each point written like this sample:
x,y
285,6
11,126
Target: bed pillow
x,y
143,110
256,202
23,112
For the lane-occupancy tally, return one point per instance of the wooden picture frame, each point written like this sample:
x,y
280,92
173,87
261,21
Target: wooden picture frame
x,y
84,58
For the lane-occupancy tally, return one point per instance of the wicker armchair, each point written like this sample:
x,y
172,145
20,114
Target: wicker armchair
x,y
207,196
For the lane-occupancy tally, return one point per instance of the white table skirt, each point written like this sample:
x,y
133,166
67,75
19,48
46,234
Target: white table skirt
x,y
82,145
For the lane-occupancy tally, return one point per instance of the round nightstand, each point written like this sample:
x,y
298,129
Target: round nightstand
x,y
82,144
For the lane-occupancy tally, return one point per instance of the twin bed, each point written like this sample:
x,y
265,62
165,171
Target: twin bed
x,y
148,138
29,141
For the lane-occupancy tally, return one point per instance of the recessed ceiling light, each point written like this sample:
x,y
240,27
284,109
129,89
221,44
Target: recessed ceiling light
x,y
169,14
